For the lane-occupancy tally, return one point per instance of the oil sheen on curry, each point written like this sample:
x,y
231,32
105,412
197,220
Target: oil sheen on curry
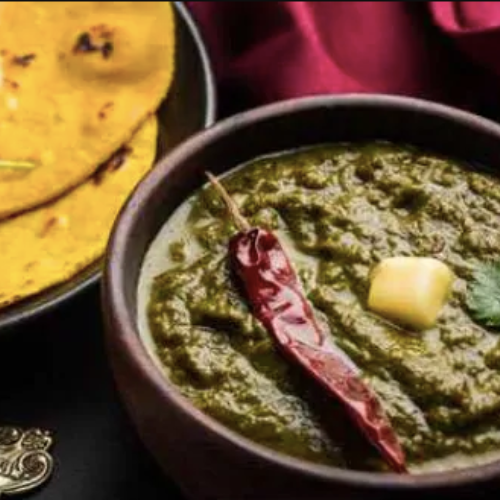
x,y
338,210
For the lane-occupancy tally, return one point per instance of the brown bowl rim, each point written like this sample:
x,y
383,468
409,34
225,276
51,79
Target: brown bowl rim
x,y
123,328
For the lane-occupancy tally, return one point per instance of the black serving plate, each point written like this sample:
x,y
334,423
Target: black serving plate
x,y
189,107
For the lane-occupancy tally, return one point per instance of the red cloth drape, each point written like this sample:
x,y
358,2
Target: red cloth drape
x,y
267,51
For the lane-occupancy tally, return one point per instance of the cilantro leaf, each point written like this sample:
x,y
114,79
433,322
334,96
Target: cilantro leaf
x,y
483,298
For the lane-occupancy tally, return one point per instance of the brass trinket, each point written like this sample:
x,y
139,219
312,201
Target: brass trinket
x,y
24,459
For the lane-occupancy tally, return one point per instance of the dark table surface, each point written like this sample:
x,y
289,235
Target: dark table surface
x,y
54,374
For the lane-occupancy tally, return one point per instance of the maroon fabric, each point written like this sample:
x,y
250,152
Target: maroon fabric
x,y
268,51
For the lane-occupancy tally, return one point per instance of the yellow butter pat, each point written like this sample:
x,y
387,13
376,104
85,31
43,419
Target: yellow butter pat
x,y
410,291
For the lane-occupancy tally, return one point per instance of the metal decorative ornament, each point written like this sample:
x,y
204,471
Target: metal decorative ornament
x,y
25,462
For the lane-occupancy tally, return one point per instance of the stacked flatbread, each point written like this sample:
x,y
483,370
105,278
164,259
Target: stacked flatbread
x,y
80,83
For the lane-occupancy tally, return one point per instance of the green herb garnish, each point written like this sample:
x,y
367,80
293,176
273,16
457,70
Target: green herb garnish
x,y
16,164
483,298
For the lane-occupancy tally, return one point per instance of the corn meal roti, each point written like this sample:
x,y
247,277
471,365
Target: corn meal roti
x,y
76,80
46,246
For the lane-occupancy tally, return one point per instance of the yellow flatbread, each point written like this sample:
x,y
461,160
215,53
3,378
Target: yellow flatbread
x,y
49,245
76,80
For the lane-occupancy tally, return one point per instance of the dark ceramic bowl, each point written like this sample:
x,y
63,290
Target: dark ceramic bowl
x,y
208,460
189,107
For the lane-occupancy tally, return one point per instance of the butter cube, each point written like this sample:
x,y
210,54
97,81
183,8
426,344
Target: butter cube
x,y
410,291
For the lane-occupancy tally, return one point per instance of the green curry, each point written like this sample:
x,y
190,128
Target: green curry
x,y
338,210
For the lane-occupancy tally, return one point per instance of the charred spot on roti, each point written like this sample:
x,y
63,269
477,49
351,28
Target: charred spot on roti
x,y
49,224
53,222
13,85
24,60
103,112
98,39
107,50
113,164
119,158
84,44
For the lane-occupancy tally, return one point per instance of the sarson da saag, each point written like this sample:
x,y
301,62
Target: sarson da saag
x,y
339,210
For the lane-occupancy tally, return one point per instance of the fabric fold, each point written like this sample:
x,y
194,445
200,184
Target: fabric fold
x,y
269,51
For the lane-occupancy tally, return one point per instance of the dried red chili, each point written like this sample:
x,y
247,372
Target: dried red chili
x,y
274,294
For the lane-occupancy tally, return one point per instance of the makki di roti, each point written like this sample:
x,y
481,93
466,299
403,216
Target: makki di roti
x,y
50,244
80,83
76,80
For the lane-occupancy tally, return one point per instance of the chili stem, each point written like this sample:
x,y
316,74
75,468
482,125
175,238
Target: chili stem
x,y
16,164
239,220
